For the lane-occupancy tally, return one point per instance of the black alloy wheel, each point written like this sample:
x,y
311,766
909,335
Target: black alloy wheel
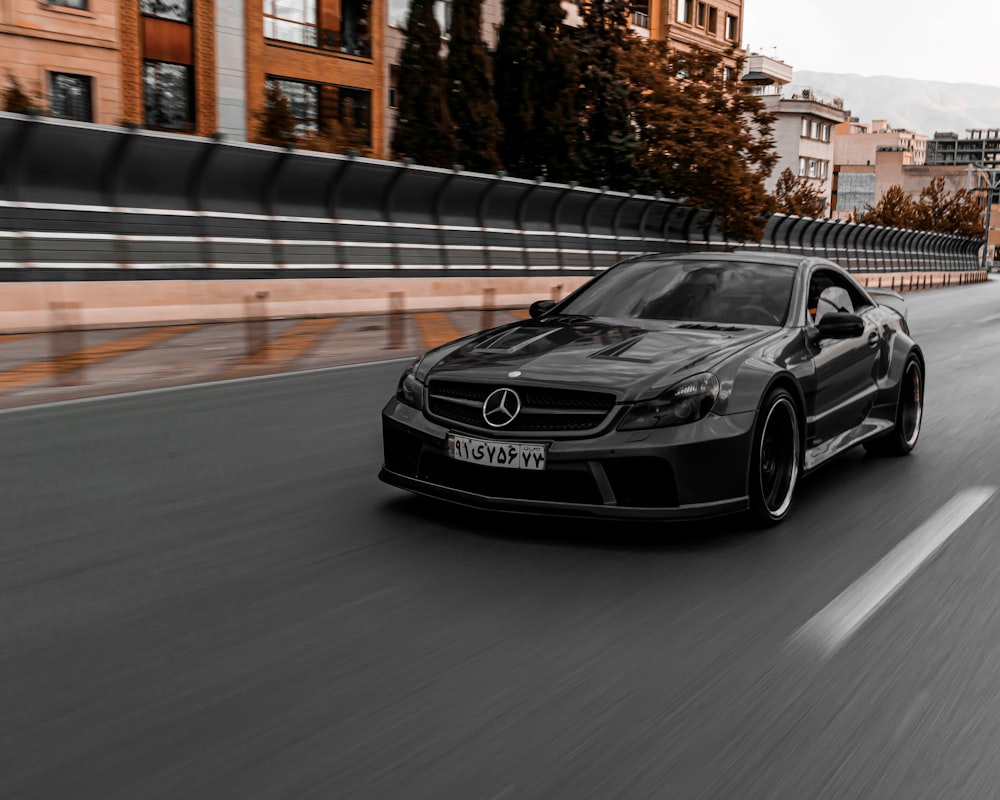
x,y
909,414
774,468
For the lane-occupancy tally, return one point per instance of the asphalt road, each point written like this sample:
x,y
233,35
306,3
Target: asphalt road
x,y
207,593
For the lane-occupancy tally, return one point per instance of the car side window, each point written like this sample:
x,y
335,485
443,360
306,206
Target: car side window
x,y
830,291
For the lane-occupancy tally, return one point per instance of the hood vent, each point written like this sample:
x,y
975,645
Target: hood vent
x,y
512,340
620,350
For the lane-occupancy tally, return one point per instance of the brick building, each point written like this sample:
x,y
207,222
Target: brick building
x,y
64,54
198,66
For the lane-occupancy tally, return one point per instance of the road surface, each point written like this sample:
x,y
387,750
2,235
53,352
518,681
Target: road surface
x,y
205,592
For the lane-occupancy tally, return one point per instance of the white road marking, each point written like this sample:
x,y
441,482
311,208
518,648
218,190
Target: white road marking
x,y
182,387
836,623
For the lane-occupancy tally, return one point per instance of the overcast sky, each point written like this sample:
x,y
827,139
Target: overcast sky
x,y
943,40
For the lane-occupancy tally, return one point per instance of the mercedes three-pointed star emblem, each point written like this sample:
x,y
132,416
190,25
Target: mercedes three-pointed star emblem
x,y
500,408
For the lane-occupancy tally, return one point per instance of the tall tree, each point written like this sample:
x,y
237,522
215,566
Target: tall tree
x,y
608,137
958,213
795,195
470,89
424,128
275,123
894,209
534,84
701,137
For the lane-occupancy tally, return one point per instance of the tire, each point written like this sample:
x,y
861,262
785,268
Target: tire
x,y
775,459
901,440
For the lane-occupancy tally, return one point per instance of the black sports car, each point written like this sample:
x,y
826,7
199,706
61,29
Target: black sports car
x,y
669,386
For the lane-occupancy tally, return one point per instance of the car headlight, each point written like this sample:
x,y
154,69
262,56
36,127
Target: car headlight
x,y
684,402
410,390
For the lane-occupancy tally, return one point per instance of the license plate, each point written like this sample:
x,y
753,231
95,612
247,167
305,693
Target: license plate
x,y
511,455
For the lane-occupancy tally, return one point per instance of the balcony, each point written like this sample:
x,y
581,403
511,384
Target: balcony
x,y
351,39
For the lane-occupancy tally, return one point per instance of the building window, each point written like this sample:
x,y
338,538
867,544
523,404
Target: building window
x,y
70,96
814,130
805,127
176,10
295,21
802,167
399,11
685,11
291,21
825,135
822,169
80,4
167,95
315,105
812,168
713,19
303,102
732,27
702,14
356,111
394,86
442,13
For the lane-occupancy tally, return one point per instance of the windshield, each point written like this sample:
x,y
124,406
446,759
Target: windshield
x,y
735,292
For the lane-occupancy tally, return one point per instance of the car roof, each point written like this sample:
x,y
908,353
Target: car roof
x,y
761,257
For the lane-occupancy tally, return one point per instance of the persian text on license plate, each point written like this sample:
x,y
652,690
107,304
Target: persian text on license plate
x,y
513,455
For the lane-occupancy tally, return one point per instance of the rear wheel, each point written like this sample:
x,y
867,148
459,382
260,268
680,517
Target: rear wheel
x,y
909,414
774,462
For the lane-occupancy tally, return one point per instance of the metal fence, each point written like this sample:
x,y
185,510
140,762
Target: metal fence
x,y
85,202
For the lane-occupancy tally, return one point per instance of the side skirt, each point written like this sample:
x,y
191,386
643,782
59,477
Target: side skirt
x,y
823,452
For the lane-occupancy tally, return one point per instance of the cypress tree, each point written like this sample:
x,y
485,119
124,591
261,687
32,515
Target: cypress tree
x,y
608,141
534,90
424,130
470,89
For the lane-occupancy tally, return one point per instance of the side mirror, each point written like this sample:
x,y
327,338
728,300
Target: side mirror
x,y
540,307
840,325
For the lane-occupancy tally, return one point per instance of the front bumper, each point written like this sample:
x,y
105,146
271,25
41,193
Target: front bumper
x,y
685,472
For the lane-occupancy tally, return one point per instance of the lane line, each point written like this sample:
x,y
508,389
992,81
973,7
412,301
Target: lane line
x,y
183,387
836,623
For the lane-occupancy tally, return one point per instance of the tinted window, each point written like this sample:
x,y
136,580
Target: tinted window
x,y
693,291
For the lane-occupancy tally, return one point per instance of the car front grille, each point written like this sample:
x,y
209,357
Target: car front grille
x,y
542,408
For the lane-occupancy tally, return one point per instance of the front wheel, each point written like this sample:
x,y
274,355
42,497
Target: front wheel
x,y
774,462
909,414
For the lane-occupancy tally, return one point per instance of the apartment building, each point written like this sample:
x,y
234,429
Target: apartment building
x,y
804,122
326,56
198,66
689,24
64,55
855,142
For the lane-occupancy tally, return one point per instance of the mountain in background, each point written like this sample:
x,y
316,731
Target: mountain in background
x,y
919,106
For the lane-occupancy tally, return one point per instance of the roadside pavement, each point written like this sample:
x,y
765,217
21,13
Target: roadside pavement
x,y
60,365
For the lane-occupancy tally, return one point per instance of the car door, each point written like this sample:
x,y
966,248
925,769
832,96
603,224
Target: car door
x,y
845,369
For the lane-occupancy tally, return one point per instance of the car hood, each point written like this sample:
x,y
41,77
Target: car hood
x,y
629,357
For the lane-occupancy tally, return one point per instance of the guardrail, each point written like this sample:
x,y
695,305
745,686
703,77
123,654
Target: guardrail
x,y
85,202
